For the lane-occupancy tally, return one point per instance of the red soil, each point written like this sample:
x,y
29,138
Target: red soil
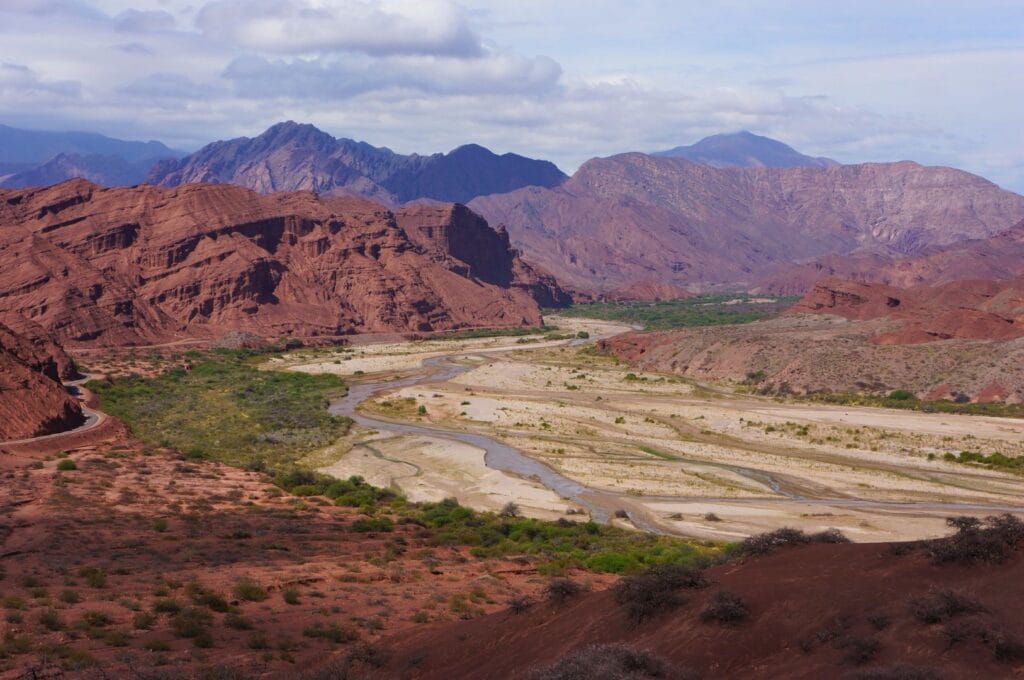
x,y
807,607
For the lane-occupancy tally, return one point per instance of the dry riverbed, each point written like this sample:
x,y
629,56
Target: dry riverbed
x,y
687,458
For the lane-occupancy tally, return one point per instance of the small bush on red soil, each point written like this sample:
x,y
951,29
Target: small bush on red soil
x,y
725,607
1007,649
896,672
762,544
611,662
939,606
655,590
561,590
520,605
990,540
859,650
248,589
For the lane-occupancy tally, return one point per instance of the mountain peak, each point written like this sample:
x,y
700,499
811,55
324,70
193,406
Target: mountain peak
x,y
746,150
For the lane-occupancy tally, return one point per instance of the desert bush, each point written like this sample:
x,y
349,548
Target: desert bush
x,y
373,524
938,606
66,465
762,544
190,622
1007,649
520,605
96,619
143,621
655,590
94,576
248,589
237,621
991,540
166,605
509,510
610,662
201,595
290,594
371,655
561,590
725,607
70,597
333,632
859,650
50,619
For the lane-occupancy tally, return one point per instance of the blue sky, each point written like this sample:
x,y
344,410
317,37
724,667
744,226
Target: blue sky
x,y
938,82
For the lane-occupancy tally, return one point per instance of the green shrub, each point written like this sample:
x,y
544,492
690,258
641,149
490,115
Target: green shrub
x,y
50,618
290,594
373,524
94,576
66,465
166,605
248,589
190,622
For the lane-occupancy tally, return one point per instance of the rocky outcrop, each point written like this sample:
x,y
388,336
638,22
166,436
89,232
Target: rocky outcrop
x,y
294,157
146,265
635,217
32,399
977,310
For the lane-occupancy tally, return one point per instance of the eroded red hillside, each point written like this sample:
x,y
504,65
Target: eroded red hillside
x,y
976,309
148,265
32,399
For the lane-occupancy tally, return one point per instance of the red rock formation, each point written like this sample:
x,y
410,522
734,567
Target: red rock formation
x,y
980,310
634,217
32,400
148,265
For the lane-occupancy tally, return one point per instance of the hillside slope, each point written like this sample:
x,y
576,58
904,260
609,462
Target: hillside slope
x,y
634,217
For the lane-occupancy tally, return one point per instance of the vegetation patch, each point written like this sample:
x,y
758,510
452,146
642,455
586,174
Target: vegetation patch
x,y
562,544
990,540
903,399
225,408
704,310
611,661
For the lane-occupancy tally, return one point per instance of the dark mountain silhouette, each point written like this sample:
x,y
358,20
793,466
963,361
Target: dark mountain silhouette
x,y
292,157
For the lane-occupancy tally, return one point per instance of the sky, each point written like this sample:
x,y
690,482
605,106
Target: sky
x,y
938,82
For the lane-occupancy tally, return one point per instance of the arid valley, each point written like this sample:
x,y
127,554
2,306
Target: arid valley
x,y
478,340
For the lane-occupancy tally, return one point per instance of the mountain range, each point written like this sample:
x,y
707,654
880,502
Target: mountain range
x,y
733,210
293,157
636,217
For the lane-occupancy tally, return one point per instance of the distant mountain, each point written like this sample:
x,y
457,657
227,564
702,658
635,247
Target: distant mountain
x,y
292,157
634,217
745,150
104,170
32,147
37,158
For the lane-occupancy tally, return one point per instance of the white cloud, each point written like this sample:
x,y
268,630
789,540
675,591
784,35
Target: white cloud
x,y
346,76
382,27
